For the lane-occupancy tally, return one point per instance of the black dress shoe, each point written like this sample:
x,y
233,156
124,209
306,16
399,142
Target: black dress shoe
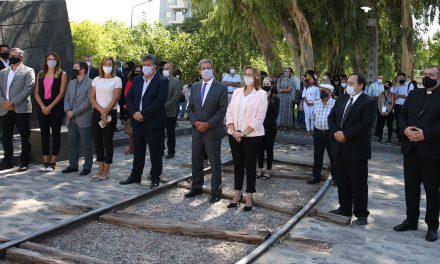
x,y
215,197
405,226
6,166
169,156
154,185
360,221
338,212
313,180
432,235
193,193
84,172
69,170
22,168
129,181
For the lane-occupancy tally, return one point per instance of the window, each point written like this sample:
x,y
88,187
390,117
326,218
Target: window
x,y
168,14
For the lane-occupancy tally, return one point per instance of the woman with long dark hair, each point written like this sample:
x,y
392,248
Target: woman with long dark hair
x,y
50,88
135,71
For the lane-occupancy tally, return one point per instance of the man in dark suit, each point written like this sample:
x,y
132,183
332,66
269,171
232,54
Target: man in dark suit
x,y
16,85
93,72
420,127
350,122
207,107
4,56
146,107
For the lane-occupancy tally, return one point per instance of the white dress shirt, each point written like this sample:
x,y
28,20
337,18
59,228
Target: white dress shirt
x,y
10,78
208,86
348,102
144,89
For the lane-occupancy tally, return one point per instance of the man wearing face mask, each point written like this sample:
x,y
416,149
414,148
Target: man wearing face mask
x,y
174,88
321,133
4,56
16,85
79,118
373,90
350,122
232,80
420,125
92,72
401,91
207,106
146,107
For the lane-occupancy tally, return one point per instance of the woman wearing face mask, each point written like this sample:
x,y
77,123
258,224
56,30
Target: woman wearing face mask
x,y
104,97
270,130
50,88
286,92
310,94
244,119
135,71
385,105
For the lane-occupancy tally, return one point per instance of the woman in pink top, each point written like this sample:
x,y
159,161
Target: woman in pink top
x,y
244,119
50,88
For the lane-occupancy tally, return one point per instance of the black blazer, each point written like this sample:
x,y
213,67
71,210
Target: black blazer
x,y
153,101
356,127
93,72
2,66
423,111
273,109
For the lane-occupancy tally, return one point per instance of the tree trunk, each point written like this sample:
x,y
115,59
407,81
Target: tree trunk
x,y
291,36
335,61
374,50
407,39
356,59
304,36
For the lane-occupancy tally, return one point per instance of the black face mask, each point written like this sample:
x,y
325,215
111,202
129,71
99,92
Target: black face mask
x,y
14,60
267,88
4,55
75,73
135,74
402,82
323,95
428,82
386,88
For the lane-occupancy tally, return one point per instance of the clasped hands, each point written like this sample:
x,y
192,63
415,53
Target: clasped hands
x,y
8,106
340,137
201,126
238,135
138,117
414,134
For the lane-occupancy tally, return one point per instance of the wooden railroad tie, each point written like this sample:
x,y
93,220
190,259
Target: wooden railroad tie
x,y
306,243
331,218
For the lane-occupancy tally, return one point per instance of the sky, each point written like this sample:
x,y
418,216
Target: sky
x,y
102,10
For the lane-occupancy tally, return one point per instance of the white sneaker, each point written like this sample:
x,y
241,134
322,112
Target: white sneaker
x,y
43,168
50,168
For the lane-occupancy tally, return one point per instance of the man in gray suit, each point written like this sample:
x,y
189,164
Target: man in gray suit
x,y
79,118
16,85
174,88
207,108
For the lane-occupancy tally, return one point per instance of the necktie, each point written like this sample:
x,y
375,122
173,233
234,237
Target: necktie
x,y
345,116
202,93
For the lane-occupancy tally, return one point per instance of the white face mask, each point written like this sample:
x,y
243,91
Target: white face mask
x,y
178,76
148,70
379,80
207,74
248,80
350,90
343,85
88,63
325,77
107,69
51,63
232,71
166,73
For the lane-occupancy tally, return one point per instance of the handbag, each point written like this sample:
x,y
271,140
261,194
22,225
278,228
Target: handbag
x,y
128,129
301,105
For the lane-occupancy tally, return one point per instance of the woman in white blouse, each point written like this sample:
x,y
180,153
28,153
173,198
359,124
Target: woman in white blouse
x,y
310,94
104,97
244,119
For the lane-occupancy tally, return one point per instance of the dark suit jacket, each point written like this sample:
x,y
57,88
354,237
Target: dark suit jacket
x,y
356,127
93,72
213,110
2,66
423,111
153,101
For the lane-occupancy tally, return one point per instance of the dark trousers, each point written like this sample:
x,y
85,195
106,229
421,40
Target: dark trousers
x,y
206,145
418,170
103,137
397,109
22,121
381,123
321,142
244,155
301,118
171,135
352,186
50,123
266,146
154,137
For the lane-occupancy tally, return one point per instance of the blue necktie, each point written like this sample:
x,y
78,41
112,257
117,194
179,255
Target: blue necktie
x,y
202,93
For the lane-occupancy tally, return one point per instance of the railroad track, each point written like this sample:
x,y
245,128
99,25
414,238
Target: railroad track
x,y
162,215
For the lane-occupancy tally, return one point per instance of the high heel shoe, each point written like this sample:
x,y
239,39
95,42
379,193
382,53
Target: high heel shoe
x,y
233,205
248,208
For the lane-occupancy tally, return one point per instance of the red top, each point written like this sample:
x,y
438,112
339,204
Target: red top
x,y
127,89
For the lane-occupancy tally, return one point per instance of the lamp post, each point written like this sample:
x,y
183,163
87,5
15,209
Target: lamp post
x,y
373,44
132,9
